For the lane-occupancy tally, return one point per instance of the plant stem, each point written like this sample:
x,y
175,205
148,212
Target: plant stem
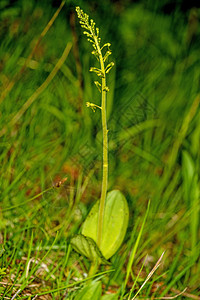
x,y
92,34
93,268
105,148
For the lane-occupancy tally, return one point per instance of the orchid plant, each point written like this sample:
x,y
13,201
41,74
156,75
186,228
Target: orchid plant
x,y
104,229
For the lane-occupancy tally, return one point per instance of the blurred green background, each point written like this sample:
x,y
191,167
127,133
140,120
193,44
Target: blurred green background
x,y
153,121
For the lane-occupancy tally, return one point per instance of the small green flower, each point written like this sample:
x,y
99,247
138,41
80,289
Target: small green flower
x,y
92,106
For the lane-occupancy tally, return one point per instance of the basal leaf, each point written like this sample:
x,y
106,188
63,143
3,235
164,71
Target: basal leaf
x,y
90,291
116,217
86,246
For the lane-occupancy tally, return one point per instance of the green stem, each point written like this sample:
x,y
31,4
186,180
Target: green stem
x,y
105,149
93,268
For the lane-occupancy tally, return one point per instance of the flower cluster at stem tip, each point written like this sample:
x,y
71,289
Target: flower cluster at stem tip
x,y
92,34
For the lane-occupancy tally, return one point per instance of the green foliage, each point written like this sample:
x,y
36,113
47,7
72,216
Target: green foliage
x,y
2,271
152,89
86,246
90,291
115,223
105,227
191,195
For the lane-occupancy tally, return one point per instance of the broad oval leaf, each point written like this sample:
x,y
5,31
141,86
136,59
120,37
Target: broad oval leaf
x,y
90,291
115,223
86,246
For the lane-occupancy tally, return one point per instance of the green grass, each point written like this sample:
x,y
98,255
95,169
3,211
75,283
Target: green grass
x,y
154,128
